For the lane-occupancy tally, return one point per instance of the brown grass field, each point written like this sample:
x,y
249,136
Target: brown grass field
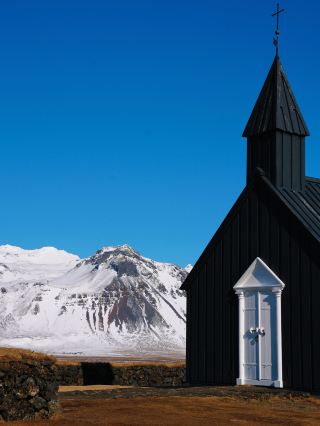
x,y
128,363
126,359
10,354
88,407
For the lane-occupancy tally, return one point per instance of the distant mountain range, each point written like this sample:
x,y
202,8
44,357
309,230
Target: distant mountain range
x,y
115,301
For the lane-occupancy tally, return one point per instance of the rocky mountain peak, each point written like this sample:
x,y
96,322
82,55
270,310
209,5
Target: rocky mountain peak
x,y
115,298
124,248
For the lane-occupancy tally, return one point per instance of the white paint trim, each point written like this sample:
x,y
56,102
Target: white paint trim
x,y
241,334
273,383
279,334
259,340
259,276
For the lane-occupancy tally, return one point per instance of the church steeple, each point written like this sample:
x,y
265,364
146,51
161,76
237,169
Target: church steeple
x,y
276,107
276,131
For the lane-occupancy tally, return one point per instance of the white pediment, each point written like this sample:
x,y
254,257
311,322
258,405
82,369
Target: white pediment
x,y
259,275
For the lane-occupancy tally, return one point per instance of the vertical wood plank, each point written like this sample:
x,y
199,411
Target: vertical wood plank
x,y
306,323
295,314
287,163
315,319
218,316
235,275
202,325
296,162
228,300
264,232
286,306
188,335
274,244
253,236
210,337
195,334
244,241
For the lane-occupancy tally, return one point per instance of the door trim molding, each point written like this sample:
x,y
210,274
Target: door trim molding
x,y
273,383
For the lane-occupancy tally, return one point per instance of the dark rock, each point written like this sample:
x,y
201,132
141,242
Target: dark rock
x,y
28,389
38,403
50,391
13,411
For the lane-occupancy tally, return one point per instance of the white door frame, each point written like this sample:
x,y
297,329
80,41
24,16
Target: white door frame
x,y
259,277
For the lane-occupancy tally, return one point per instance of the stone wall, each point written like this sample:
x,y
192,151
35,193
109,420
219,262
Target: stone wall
x,y
140,374
70,374
28,385
149,375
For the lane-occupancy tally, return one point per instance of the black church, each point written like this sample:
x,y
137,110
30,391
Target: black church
x,y
253,296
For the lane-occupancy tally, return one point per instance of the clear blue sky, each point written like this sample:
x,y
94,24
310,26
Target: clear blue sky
x,y
121,121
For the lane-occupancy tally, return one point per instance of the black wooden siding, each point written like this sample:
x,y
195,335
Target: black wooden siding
x,y
259,226
282,157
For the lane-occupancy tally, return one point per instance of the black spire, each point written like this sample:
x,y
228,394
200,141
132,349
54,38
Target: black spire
x,y
276,107
276,131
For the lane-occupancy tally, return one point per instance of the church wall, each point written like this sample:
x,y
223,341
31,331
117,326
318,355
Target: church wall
x,y
258,228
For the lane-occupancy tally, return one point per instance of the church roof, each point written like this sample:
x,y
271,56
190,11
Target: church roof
x,y
304,206
276,107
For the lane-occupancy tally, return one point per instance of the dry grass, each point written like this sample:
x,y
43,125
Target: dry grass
x,y
173,364
68,362
86,388
123,359
118,364
10,354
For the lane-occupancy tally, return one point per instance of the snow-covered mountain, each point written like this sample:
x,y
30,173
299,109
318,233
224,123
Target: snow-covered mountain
x,y
112,302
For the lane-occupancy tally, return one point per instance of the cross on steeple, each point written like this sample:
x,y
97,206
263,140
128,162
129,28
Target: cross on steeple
x,y
276,38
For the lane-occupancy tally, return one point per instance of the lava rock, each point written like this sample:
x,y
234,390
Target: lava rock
x,y
28,389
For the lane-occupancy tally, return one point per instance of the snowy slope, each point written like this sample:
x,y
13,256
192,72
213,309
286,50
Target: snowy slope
x,y
17,264
115,300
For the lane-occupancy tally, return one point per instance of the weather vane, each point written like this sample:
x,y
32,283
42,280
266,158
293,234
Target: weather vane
x,y
277,32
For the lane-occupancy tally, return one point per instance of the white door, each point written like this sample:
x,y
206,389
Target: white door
x,y
260,343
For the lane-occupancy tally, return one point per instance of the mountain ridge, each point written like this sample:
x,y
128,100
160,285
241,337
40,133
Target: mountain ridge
x,y
115,299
